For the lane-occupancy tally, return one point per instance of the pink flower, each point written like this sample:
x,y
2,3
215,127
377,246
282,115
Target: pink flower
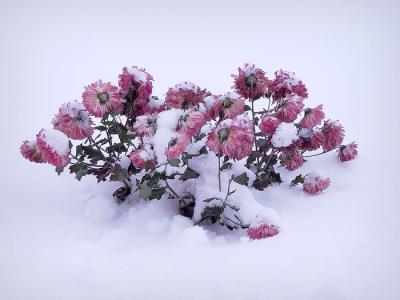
x,y
347,152
333,135
291,158
314,184
184,95
31,151
290,109
285,84
251,82
54,147
312,117
154,106
145,125
140,156
262,231
100,98
136,87
212,106
191,122
230,138
229,106
176,146
73,120
310,139
268,125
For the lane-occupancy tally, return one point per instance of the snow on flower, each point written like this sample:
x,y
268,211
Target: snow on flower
x,y
136,87
54,146
190,122
290,109
229,138
333,133
228,106
309,139
176,146
262,231
184,95
145,125
31,151
155,105
144,154
312,117
314,184
285,84
251,82
73,120
100,98
291,158
284,136
347,152
268,125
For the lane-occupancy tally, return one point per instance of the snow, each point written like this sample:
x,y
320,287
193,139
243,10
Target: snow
x,y
138,74
285,135
57,140
186,85
62,239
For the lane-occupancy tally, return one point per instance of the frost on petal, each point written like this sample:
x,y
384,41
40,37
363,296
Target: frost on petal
x,y
31,151
185,95
251,82
314,184
333,133
54,146
285,84
347,152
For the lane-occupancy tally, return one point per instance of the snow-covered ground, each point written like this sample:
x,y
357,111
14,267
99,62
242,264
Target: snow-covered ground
x,y
61,239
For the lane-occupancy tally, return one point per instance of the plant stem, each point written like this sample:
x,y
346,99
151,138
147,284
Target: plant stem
x,y
219,172
316,154
171,189
254,131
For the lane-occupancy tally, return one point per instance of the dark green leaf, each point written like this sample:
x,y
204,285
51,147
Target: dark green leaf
x,y
189,174
145,191
174,162
226,166
59,170
297,180
242,179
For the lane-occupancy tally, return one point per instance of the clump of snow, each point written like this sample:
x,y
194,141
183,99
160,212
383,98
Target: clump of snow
x,y
139,75
155,102
249,69
124,162
285,135
209,101
186,85
56,140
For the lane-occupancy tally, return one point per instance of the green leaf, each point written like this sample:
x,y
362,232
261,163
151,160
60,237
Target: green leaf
x,y
101,128
82,172
59,170
226,166
157,193
247,108
242,179
145,191
297,180
174,162
148,165
189,174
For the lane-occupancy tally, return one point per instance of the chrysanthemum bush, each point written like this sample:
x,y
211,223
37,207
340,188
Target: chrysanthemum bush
x,y
205,152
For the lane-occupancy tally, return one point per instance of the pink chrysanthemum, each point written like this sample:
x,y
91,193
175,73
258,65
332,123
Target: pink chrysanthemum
x,y
136,87
100,98
154,106
184,95
291,158
290,109
140,156
229,138
268,125
211,106
314,184
333,133
285,84
54,146
262,231
251,82
176,146
310,139
312,117
145,125
31,151
191,122
347,152
228,106
73,120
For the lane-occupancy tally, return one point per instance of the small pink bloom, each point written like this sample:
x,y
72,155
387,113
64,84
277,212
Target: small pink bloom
x,y
191,122
230,138
31,151
262,231
54,146
285,84
184,95
333,133
100,98
347,152
176,146
290,109
310,139
73,120
145,125
291,158
268,125
229,106
312,117
251,82
140,156
212,107
314,184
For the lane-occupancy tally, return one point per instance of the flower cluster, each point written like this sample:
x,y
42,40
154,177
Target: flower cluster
x,y
181,146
